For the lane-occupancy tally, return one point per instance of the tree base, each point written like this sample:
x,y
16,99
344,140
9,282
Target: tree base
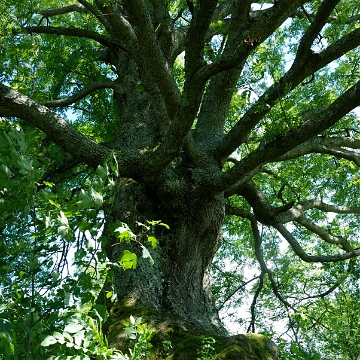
x,y
173,339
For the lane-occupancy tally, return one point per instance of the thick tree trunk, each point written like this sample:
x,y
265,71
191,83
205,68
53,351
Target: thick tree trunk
x,y
178,282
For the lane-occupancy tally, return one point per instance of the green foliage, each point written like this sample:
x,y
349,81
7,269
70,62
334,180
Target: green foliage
x,y
82,338
6,338
140,337
61,226
17,172
207,350
128,259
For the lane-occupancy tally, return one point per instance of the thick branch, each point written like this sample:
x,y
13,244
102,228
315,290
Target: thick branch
x,y
12,103
230,210
266,23
219,92
294,137
326,236
148,48
302,67
73,31
97,14
332,146
317,24
297,212
63,10
320,205
269,215
196,36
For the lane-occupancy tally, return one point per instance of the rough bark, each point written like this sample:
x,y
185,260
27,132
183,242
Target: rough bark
x,y
178,283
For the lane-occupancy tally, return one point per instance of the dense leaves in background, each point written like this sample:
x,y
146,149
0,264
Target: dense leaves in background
x,y
203,115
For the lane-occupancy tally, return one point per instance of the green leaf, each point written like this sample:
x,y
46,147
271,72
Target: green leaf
x,y
96,197
102,171
59,337
5,172
124,233
6,342
128,260
294,348
73,328
49,184
152,239
85,200
79,337
55,275
49,340
100,311
165,225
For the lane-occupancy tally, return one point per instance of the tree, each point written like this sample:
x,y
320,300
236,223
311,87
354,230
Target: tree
x,y
206,108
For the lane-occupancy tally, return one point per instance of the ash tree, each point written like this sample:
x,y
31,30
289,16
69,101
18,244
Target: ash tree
x,y
234,115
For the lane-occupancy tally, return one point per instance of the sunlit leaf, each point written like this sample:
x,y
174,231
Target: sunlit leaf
x,y
128,260
152,239
49,340
73,328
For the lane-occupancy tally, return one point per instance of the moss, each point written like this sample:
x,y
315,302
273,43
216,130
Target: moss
x,y
172,340
248,347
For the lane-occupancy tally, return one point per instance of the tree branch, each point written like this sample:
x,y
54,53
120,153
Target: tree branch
x,y
196,36
331,239
261,261
332,146
332,19
320,205
219,92
300,70
230,210
251,327
297,212
269,215
82,93
266,22
238,288
12,103
325,9
313,258
63,10
97,14
148,48
73,31
294,137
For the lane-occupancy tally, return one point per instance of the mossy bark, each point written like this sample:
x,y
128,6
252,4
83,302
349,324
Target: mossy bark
x,y
172,340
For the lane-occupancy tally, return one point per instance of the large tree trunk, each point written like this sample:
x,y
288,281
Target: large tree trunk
x,y
178,283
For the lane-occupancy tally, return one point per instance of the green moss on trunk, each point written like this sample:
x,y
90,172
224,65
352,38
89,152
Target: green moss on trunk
x,y
174,340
